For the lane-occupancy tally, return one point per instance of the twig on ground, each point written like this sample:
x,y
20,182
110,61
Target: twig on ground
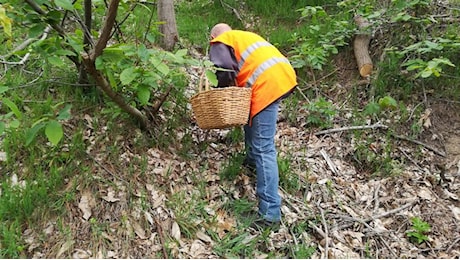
x,y
391,212
410,158
379,125
318,230
328,161
326,230
452,245
376,197
378,216
420,143
160,235
233,10
348,128
389,248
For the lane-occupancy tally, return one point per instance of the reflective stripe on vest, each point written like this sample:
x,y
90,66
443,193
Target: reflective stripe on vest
x,y
249,50
263,67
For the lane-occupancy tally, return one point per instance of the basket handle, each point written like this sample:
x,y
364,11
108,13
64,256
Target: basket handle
x,y
203,86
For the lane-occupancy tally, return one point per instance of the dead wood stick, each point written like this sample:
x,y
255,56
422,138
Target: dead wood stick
x,y
410,159
420,143
319,231
233,10
348,128
376,197
391,212
162,99
326,230
161,237
378,216
452,245
328,161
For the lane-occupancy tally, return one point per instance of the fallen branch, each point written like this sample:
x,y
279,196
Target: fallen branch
x,y
329,162
378,216
348,128
422,144
161,237
379,125
391,212
233,10
326,231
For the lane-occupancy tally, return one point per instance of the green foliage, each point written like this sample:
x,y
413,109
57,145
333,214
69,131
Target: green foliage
x,y
419,230
320,113
289,180
236,245
324,35
233,167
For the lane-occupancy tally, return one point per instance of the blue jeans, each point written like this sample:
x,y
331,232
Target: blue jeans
x,y
261,150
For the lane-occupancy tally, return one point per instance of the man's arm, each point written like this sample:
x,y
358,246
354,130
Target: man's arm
x,y
223,57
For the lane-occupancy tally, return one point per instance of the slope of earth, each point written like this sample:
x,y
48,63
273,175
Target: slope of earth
x,y
171,207
154,203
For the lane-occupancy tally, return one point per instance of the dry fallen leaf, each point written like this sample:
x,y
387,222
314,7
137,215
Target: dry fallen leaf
x,y
64,248
175,231
85,204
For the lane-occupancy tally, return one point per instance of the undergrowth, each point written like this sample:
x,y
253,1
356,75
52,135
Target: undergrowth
x,y
44,165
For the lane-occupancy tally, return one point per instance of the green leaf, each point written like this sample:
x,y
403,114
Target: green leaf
x,y
63,52
143,94
2,127
181,52
54,132
64,113
388,102
3,89
99,63
13,107
32,133
163,68
6,22
128,75
15,124
56,61
65,4
372,109
211,77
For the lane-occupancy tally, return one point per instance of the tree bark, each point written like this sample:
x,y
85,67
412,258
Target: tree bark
x,y
83,76
361,48
168,28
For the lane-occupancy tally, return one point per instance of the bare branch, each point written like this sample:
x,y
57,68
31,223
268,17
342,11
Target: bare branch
x,y
341,129
106,30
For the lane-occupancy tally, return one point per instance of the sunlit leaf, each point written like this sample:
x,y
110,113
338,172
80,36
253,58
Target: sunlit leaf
x,y
388,102
54,132
143,94
65,4
128,75
13,107
211,77
65,112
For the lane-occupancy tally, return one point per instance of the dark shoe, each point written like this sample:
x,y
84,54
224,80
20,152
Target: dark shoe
x,y
263,224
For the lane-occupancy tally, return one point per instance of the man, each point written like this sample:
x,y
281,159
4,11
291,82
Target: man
x,y
253,62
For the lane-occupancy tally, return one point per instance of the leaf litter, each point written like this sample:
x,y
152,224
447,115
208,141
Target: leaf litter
x,y
340,210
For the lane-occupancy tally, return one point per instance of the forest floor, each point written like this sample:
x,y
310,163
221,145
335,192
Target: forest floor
x,y
178,208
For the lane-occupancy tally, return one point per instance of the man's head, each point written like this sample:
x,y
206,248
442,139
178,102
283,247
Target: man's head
x,y
219,29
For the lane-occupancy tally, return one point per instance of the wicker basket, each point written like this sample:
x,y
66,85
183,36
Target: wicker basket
x,y
220,108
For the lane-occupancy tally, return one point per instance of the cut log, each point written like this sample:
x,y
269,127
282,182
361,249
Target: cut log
x,y
361,47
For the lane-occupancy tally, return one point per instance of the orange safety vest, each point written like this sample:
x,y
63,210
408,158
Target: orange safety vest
x,y
261,66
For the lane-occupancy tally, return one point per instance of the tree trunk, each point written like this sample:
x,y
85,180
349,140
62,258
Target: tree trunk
x,y
168,28
361,48
83,76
